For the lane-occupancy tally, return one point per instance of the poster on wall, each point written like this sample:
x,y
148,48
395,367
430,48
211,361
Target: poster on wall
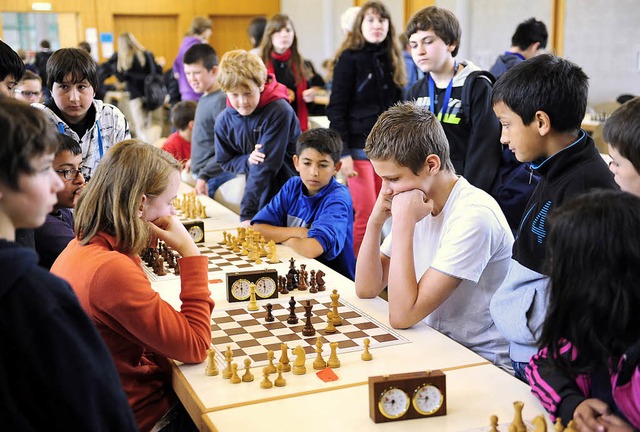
x,y
91,37
106,41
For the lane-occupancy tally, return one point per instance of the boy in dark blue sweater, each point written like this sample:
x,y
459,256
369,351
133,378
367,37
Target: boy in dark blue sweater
x,y
313,213
256,134
55,370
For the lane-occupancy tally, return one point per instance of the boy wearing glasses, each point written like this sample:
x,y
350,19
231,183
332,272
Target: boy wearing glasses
x,y
57,231
29,89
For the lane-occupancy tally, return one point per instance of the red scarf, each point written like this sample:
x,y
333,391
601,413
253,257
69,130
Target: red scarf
x,y
301,105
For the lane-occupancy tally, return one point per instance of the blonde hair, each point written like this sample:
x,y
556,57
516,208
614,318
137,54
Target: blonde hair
x,y
239,68
128,46
112,199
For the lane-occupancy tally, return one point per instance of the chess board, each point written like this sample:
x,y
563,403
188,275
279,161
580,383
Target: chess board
x,y
249,335
503,427
221,259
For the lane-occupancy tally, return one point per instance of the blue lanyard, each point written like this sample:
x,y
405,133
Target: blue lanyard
x,y
100,147
447,94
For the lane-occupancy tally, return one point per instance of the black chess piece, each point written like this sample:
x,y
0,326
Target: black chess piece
x,y
293,319
320,280
308,329
312,282
289,285
282,281
269,317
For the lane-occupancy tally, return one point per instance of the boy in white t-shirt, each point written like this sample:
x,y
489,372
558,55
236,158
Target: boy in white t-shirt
x,y
450,244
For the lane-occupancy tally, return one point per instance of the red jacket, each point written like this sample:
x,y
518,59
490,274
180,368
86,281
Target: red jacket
x,y
140,329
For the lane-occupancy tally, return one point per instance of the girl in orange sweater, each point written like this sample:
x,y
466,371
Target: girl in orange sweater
x,y
127,204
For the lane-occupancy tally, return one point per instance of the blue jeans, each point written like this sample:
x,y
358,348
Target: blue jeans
x,y
518,368
214,183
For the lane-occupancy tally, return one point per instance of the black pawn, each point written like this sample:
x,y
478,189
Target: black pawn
x,y
293,319
269,317
282,281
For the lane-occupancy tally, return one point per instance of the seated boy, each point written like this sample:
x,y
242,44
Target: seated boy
x,y
57,231
201,68
179,142
541,103
621,132
11,70
56,371
256,135
313,213
450,244
73,79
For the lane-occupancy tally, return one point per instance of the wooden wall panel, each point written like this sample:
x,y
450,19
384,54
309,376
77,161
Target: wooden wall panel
x,y
155,32
229,33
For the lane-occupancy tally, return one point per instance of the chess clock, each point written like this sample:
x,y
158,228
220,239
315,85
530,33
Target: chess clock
x,y
266,281
407,396
196,230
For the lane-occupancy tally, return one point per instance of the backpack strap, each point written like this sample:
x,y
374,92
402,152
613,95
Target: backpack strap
x,y
467,89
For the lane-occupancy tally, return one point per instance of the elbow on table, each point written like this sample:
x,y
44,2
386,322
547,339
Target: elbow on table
x,y
400,321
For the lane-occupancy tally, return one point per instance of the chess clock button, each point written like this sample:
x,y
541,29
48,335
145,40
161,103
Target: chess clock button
x,y
240,289
427,399
265,287
393,403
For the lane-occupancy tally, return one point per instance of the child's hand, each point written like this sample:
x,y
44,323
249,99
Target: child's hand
x,y
588,414
246,223
201,187
170,230
347,167
411,206
187,165
309,95
256,157
382,208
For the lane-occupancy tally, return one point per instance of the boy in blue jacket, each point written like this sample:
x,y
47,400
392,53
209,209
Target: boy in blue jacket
x,y
256,134
313,213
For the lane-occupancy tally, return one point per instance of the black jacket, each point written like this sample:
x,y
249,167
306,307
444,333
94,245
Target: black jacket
x,y
362,89
56,372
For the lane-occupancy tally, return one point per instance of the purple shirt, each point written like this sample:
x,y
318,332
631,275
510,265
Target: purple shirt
x,y
186,92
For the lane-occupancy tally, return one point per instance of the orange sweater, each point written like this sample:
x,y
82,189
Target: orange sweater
x,y
140,329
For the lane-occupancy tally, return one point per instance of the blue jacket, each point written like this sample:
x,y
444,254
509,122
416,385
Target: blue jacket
x,y
328,215
276,127
519,306
55,370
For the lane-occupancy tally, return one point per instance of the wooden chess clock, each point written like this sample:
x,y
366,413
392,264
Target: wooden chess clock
x,y
196,230
266,282
407,396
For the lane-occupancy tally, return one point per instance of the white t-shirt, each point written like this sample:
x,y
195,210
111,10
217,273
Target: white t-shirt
x,y
469,239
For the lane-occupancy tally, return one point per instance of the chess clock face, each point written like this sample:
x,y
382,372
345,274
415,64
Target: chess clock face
x,y
393,403
240,289
196,230
265,281
265,287
407,396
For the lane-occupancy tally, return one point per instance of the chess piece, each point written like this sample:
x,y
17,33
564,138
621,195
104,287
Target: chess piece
x,y
293,319
539,423
319,362
302,275
270,367
320,280
228,356
312,282
299,367
248,376
235,379
266,383
289,285
245,249
333,362
366,355
330,327
257,261
224,238
253,304
160,270
212,367
282,282
494,423
558,426
308,329
280,381
517,418
570,427
273,252
294,275
269,317
284,357
337,320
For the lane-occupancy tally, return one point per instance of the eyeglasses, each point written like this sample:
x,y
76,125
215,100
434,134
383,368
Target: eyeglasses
x,y
28,93
73,173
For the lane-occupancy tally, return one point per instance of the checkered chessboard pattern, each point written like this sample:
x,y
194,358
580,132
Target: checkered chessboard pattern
x,y
249,335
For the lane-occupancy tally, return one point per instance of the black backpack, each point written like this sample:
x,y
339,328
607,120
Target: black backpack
x,y
155,90
515,181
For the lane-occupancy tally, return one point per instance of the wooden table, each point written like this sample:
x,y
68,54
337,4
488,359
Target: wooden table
x,y
219,216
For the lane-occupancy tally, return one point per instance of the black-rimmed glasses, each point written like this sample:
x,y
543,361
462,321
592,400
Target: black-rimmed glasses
x,y
72,174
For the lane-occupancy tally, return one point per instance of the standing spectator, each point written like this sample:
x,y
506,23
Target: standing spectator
x,y
368,78
529,39
255,32
133,65
200,32
279,50
42,57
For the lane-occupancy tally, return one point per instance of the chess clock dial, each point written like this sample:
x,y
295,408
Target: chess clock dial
x,y
393,403
196,230
265,287
427,399
240,289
